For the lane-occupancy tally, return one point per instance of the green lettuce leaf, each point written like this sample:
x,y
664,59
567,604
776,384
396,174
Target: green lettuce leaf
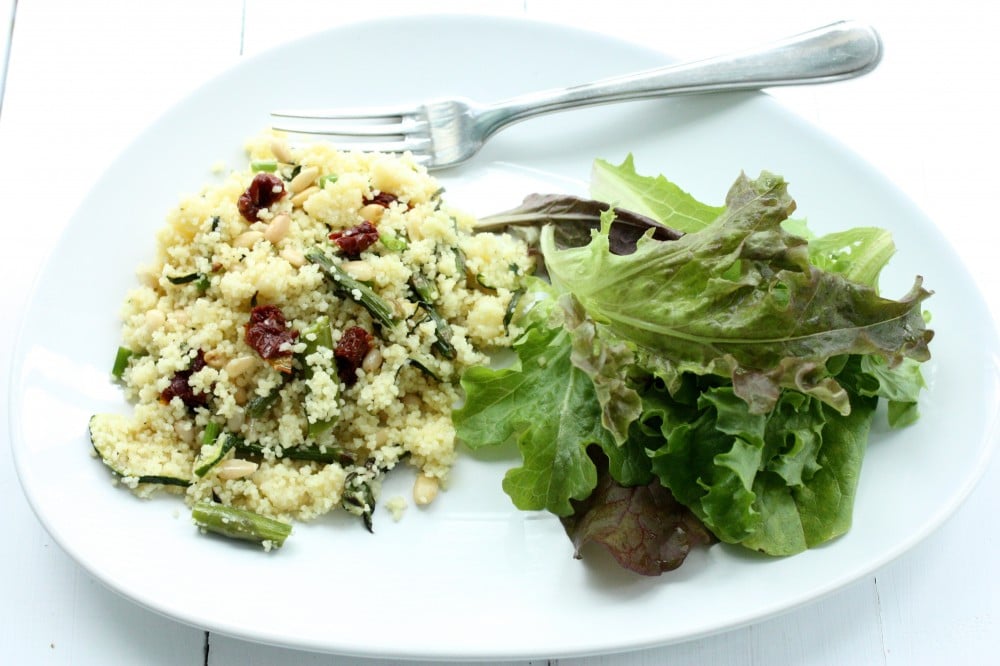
x,y
734,370
900,385
656,196
740,299
550,407
858,254
777,483
795,518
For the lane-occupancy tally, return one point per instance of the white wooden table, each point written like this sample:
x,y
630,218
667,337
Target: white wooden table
x,y
83,78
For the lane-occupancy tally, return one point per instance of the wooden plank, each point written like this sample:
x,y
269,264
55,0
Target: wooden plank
x,y
83,78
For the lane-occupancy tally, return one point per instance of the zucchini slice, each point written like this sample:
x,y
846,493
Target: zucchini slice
x,y
107,455
212,453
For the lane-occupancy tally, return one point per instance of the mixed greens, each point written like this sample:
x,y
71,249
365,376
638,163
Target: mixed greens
x,y
692,373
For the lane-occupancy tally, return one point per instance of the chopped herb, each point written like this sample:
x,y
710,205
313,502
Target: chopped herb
x,y
393,242
515,298
425,289
320,427
184,279
261,404
422,367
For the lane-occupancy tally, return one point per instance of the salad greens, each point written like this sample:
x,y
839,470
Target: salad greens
x,y
718,381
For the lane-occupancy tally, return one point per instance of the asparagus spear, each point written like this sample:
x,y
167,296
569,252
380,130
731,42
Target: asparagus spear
x,y
122,358
240,523
323,454
317,336
347,286
442,329
426,294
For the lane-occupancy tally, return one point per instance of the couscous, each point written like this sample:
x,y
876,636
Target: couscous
x,y
301,331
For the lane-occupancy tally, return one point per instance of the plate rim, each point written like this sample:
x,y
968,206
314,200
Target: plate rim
x,y
20,347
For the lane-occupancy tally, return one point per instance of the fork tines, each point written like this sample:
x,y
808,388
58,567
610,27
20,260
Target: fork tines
x,y
390,130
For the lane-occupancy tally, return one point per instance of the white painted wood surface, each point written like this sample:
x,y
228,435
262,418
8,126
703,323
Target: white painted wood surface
x,y
84,78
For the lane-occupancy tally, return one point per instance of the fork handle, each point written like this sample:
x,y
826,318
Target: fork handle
x,y
835,52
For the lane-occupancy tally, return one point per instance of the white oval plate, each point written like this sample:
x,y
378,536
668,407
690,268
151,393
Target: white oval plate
x,y
471,577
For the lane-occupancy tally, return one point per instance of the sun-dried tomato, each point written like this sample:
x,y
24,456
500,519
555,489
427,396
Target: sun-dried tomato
x,y
382,199
264,190
354,345
267,332
180,386
357,239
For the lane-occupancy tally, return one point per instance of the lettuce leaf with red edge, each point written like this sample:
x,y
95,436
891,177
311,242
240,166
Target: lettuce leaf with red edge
x,y
642,526
740,299
735,370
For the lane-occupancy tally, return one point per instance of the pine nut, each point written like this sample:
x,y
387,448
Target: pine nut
x,y
303,196
240,365
359,270
281,151
215,359
236,421
425,489
247,239
278,228
303,180
372,212
293,257
235,468
184,431
372,361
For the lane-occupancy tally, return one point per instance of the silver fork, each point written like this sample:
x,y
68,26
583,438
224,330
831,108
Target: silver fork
x,y
445,132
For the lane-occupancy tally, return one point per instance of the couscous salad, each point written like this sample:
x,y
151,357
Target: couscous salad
x,y
300,332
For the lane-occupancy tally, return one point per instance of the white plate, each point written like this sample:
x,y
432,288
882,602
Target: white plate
x,y
470,577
